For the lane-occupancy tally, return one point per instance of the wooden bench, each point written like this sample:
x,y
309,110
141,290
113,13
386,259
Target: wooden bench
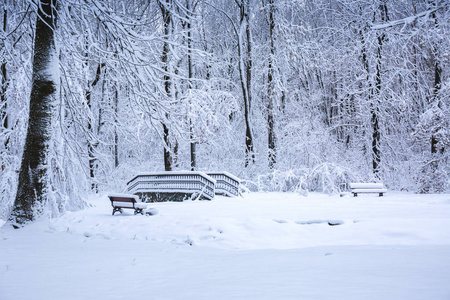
x,y
358,188
121,201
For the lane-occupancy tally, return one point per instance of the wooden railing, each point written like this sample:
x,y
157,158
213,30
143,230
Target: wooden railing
x,y
226,184
172,185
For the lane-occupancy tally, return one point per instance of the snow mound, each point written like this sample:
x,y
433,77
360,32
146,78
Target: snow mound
x,y
263,246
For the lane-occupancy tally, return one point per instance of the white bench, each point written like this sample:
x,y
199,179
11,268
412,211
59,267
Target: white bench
x,y
358,188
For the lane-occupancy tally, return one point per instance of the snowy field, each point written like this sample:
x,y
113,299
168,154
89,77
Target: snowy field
x,y
261,246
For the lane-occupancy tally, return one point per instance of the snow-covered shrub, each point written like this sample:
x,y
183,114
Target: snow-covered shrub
x,y
248,186
325,178
279,181
8,187
329,178
433,137
432,178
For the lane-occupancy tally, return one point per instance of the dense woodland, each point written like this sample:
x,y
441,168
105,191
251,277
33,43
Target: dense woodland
x,y
289,95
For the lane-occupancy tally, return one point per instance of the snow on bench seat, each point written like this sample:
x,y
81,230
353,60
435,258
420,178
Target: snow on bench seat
x,y
359,187
128,201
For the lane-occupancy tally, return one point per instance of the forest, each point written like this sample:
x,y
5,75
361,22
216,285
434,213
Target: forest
x,y
288,95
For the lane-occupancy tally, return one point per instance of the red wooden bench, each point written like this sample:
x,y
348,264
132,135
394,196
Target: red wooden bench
x,y
126,201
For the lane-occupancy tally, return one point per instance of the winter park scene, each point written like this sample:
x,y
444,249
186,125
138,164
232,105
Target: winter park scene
x,y
225,149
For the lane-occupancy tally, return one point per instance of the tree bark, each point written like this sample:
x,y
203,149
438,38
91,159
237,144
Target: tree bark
x,y
33,177
272,151
4,82
436,85
167,19
193,144
375,110
116,125
92,144
245,72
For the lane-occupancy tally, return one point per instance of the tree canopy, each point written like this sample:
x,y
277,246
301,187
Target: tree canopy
x,y
291,95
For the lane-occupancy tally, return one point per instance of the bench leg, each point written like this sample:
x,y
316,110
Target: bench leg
x,y
380,195
138,211
355,194
115,209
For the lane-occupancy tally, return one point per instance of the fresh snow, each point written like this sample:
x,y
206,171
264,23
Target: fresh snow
x,y
260,246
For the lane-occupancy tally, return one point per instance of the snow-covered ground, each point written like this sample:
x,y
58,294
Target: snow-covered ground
x,y
261,246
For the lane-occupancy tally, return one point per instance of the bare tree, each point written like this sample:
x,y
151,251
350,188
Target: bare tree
x,y
272,151
376,91
4,75
245,72
170,147
193,145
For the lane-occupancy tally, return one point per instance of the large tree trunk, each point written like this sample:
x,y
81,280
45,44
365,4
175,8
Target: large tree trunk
x,y
33,177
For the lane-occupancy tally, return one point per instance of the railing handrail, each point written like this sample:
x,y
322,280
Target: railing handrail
x,y
225,173
174,173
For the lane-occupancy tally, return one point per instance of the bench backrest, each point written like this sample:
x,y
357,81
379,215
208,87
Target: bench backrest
x,y
123,201
372,185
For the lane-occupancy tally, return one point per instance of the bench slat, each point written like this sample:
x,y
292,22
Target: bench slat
x,y
122,204
369,190
370,185
124,196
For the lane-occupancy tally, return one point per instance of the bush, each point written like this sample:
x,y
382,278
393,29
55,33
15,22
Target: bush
x,y
325,178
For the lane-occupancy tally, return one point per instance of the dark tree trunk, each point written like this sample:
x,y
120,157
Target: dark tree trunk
x,y
33,176
167,151
375,142
245,74
92,142
116,125
4,82
365,63
436,85
167,19
193,145
271,90
3,103
375,110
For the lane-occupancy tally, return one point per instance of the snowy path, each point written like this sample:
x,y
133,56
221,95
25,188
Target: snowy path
x,y
264,246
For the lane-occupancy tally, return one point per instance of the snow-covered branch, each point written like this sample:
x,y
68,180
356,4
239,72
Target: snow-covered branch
x,y
408,20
